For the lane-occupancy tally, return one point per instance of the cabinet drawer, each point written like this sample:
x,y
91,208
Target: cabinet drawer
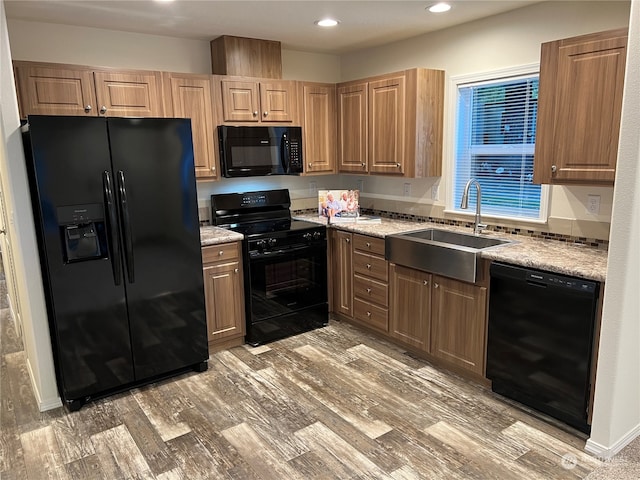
x,y
369,244
221,252
371,291
370,266
371,315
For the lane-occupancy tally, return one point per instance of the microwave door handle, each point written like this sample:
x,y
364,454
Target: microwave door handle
x,y
284,153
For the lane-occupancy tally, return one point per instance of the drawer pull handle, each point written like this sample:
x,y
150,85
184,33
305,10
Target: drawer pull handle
x,y
368,290
368,266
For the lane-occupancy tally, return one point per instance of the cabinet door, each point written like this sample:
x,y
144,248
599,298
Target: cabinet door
x,y
410,306
318,103
341,273
224,300
129,94
352,128
458,320
190,97
387,125
278,101
240,101
43,90
579,108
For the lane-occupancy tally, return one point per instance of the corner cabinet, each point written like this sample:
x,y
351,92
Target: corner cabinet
x,y
392,124
318,103
55,89
579,109
258,101
224,295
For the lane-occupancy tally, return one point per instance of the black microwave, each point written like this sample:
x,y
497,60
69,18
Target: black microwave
x,y
251,150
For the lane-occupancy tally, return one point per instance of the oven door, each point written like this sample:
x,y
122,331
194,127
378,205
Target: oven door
x,y
287,292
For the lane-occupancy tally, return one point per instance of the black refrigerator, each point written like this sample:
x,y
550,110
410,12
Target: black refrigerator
x,y
115,211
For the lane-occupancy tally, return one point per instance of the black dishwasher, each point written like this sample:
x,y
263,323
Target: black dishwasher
x,y
540,340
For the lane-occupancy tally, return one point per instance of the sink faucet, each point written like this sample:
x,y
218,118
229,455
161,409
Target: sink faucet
x,y
479,226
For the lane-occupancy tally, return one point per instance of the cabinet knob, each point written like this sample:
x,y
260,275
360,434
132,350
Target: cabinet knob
x,y
397,165
368,266
368,314
87,108
554,169
426,282
435,285
103,109
348,240
213,169
265,113
255,113
368,245
368,290
235,270
363,164
221,252
310,164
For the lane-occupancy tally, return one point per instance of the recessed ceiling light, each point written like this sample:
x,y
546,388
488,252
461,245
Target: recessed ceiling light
x,y
326,22
439,7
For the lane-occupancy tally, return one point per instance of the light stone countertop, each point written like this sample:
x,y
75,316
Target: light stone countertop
x,y
551,255
215,235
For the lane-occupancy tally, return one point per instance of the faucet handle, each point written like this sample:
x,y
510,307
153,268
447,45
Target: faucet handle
x,y
480,227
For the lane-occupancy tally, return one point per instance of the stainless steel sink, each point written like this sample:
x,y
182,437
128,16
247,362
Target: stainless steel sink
x,y
448,253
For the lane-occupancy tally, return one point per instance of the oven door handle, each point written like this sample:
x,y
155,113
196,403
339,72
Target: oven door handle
x,y
288,251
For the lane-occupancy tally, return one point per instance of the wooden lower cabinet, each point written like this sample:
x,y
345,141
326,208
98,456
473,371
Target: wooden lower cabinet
x,y
410,303
224,295
341,272
370,283
458,323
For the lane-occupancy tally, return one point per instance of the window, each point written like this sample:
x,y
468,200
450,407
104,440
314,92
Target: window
x,y
494,143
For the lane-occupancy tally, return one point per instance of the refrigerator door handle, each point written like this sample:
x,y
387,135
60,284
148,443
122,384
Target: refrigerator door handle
x,y
112,241
126,227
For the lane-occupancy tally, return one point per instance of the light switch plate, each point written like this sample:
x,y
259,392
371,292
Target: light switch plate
x,y
313,189
407,190
434,192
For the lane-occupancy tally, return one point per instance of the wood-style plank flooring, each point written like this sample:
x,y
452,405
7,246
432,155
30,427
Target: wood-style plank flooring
x,y
335,403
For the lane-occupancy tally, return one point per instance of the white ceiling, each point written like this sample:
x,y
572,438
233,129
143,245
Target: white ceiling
x,y
363,24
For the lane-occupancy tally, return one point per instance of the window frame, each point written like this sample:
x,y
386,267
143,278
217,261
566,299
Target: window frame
x,y
475,79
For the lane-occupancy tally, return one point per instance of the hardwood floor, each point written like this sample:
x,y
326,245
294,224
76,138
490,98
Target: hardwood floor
x,y
335,403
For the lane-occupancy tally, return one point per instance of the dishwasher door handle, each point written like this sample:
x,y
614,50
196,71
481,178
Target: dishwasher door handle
x,y
537,284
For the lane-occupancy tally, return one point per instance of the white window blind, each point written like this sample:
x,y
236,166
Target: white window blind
x,y
495,137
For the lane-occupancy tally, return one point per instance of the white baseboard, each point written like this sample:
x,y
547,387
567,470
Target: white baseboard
x,y
606,453
44,404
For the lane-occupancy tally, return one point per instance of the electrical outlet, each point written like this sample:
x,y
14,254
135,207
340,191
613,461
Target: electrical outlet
x,y
360,184
593,204
434,192
313,189
407,190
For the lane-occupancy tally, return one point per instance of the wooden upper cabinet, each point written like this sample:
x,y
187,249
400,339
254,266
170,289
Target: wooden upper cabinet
x,y
392,124
130,94
190,96
352,128
579,108
54,89
319,127
256,101
386,125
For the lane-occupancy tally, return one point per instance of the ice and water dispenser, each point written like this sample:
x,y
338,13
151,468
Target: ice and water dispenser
x,y
83,232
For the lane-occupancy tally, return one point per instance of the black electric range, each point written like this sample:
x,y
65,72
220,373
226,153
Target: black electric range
x,y
285,263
